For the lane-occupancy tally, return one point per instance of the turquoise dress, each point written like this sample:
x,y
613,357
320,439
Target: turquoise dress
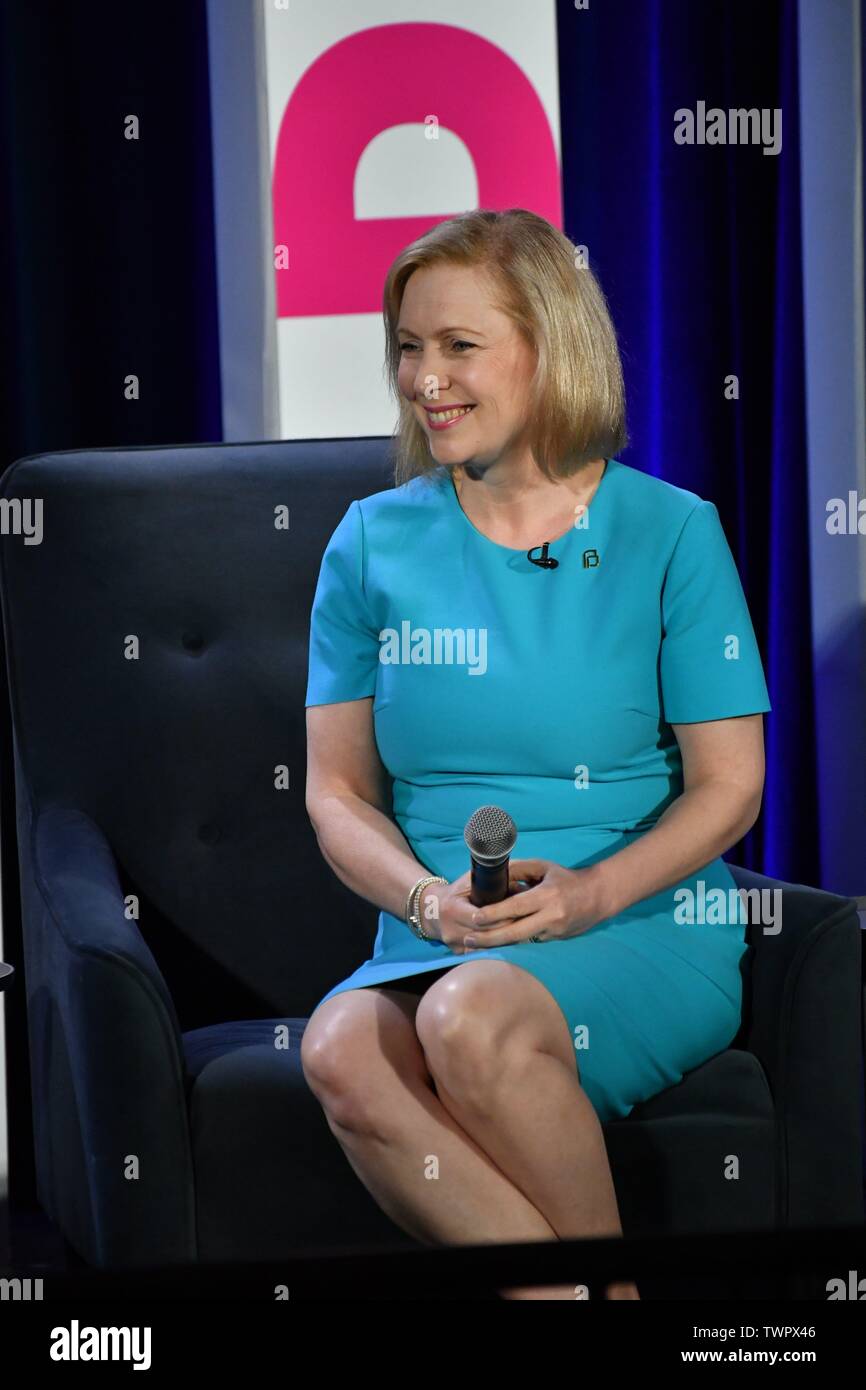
x,y
551,693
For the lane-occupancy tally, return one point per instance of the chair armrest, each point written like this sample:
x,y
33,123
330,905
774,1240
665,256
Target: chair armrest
x,y
803,1020
111,1123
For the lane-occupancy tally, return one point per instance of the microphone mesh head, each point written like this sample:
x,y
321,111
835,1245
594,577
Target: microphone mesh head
x,y
490,833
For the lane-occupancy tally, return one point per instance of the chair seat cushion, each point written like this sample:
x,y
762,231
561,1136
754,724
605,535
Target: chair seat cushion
x,y
270,1177
733,1082
699,1157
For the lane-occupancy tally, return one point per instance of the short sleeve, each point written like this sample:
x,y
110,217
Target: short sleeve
x,y
344,643
710,665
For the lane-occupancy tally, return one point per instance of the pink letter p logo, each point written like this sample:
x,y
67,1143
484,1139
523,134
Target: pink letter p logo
x,y
364,85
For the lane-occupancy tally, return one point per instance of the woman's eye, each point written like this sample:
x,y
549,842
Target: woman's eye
x,y
457,343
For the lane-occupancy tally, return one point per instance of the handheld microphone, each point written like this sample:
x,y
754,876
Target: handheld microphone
x,y
546,562
490,835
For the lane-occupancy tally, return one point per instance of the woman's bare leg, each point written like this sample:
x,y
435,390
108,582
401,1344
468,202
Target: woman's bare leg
x,y
504,1066
364,1062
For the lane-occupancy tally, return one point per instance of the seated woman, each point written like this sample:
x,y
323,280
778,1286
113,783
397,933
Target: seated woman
x,y
615,716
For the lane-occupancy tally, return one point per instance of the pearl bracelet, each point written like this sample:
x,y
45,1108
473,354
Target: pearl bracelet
x,y
413,903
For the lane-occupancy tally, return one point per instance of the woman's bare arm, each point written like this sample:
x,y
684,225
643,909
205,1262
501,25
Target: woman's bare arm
x,y
723,782
348,801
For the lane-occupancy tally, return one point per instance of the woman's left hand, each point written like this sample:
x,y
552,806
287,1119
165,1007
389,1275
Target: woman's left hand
x,y
549,902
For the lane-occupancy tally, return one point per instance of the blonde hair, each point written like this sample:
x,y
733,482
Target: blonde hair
x,y
577,399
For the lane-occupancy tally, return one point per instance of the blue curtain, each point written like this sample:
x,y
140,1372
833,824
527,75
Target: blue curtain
x,y
698,250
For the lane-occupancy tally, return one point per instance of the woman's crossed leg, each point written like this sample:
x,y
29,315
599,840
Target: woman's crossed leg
x,y
462,1111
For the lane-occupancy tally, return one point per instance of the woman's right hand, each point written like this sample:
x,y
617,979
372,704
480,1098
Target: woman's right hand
x,y
451,920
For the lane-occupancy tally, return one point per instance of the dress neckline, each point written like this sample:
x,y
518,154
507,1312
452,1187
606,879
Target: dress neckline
x,y
553,545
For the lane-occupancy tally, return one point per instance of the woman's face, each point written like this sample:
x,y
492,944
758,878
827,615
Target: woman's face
x,y
453,339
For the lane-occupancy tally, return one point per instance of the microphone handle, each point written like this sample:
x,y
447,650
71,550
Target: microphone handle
x,y
489,882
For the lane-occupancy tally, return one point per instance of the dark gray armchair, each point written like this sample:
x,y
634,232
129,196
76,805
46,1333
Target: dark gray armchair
x,y
180,923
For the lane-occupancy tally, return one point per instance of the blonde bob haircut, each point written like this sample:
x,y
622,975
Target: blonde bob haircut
x,y
577,400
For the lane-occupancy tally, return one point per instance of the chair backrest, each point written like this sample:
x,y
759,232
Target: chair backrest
x,y
157,642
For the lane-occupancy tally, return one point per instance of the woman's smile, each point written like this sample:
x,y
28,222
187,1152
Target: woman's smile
x,y
446,417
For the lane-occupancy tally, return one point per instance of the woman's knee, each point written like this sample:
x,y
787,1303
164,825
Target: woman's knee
x,y
355,1044
485,1017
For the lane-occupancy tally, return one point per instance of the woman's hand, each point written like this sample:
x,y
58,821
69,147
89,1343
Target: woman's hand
x,y
549,902
451,918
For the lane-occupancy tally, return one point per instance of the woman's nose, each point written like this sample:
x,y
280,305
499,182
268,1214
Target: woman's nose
x,y
429,376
